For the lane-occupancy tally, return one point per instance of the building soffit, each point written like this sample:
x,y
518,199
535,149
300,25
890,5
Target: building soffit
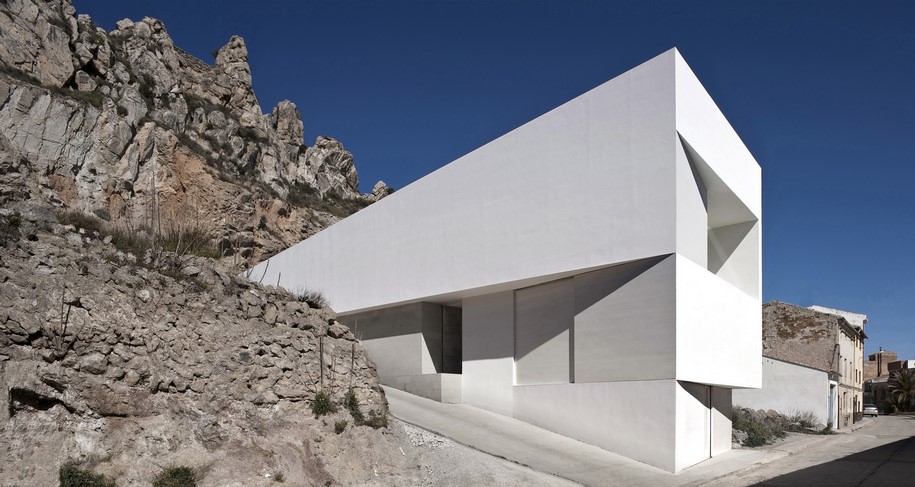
x,y
724,207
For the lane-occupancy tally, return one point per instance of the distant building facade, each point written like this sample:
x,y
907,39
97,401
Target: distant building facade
x,y
876,364
877,389
812,361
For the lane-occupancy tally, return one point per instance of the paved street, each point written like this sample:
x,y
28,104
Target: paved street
x,y
880,453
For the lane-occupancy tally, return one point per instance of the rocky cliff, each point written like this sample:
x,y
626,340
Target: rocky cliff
x,y
127,126
135,182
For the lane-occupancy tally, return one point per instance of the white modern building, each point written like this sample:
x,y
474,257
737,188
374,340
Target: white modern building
x,y
595,272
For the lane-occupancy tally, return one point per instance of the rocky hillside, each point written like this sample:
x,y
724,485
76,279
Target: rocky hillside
x,y
128,127
129,364
135,182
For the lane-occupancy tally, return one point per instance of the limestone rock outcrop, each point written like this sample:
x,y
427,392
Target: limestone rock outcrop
x,y
103,119
36,38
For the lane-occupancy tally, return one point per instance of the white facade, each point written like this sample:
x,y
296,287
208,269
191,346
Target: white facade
x,y
789,389
857,320
595,271
850,364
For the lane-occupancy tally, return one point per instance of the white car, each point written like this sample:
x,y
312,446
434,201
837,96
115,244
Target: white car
x,y
870,410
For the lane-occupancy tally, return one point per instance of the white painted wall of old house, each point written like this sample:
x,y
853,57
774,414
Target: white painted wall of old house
x,y
788,388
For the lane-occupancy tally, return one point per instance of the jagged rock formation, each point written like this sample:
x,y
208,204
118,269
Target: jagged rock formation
x,y
103,122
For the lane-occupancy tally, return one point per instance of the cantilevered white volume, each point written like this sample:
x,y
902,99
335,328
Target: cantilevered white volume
x,y
595,271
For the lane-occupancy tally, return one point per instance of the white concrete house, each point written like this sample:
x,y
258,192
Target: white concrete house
x,y
595,272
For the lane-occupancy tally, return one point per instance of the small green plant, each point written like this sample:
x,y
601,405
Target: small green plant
x,y
314,299
757,435
351,403
17,74
94,98
760,430
377,420
304,195
278,477
889,407
71,475
802,421
902,389
340,426
322,404
176,477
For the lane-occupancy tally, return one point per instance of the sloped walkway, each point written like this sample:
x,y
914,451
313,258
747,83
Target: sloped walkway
x,y
564,457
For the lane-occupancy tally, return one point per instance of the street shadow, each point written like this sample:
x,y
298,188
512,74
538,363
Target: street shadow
x,y
890,464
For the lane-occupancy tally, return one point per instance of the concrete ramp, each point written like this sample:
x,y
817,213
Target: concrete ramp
x,y
555,454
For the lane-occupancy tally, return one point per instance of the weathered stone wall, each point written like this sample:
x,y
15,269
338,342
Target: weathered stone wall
x,y
800,335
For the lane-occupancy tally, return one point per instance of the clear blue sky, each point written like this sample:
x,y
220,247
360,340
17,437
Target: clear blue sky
x,y
822,92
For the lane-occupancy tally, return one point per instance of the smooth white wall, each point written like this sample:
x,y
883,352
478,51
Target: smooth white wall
x,y
692,211
721,420
694,424
543,326
701,123
625,322
393,338
488,352
734,255
788,388
432,338
603,161
703,422
633,418
719,330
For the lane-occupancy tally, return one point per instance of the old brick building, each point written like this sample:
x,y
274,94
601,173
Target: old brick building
x,y
877,363
878,369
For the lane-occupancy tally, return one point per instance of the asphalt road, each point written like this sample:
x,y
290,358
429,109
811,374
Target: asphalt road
x,y
881,453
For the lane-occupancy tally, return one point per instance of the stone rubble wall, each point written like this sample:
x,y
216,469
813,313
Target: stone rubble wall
x,y
800,335
94,344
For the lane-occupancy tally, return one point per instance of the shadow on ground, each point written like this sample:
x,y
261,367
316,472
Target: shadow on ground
x,y
892,464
